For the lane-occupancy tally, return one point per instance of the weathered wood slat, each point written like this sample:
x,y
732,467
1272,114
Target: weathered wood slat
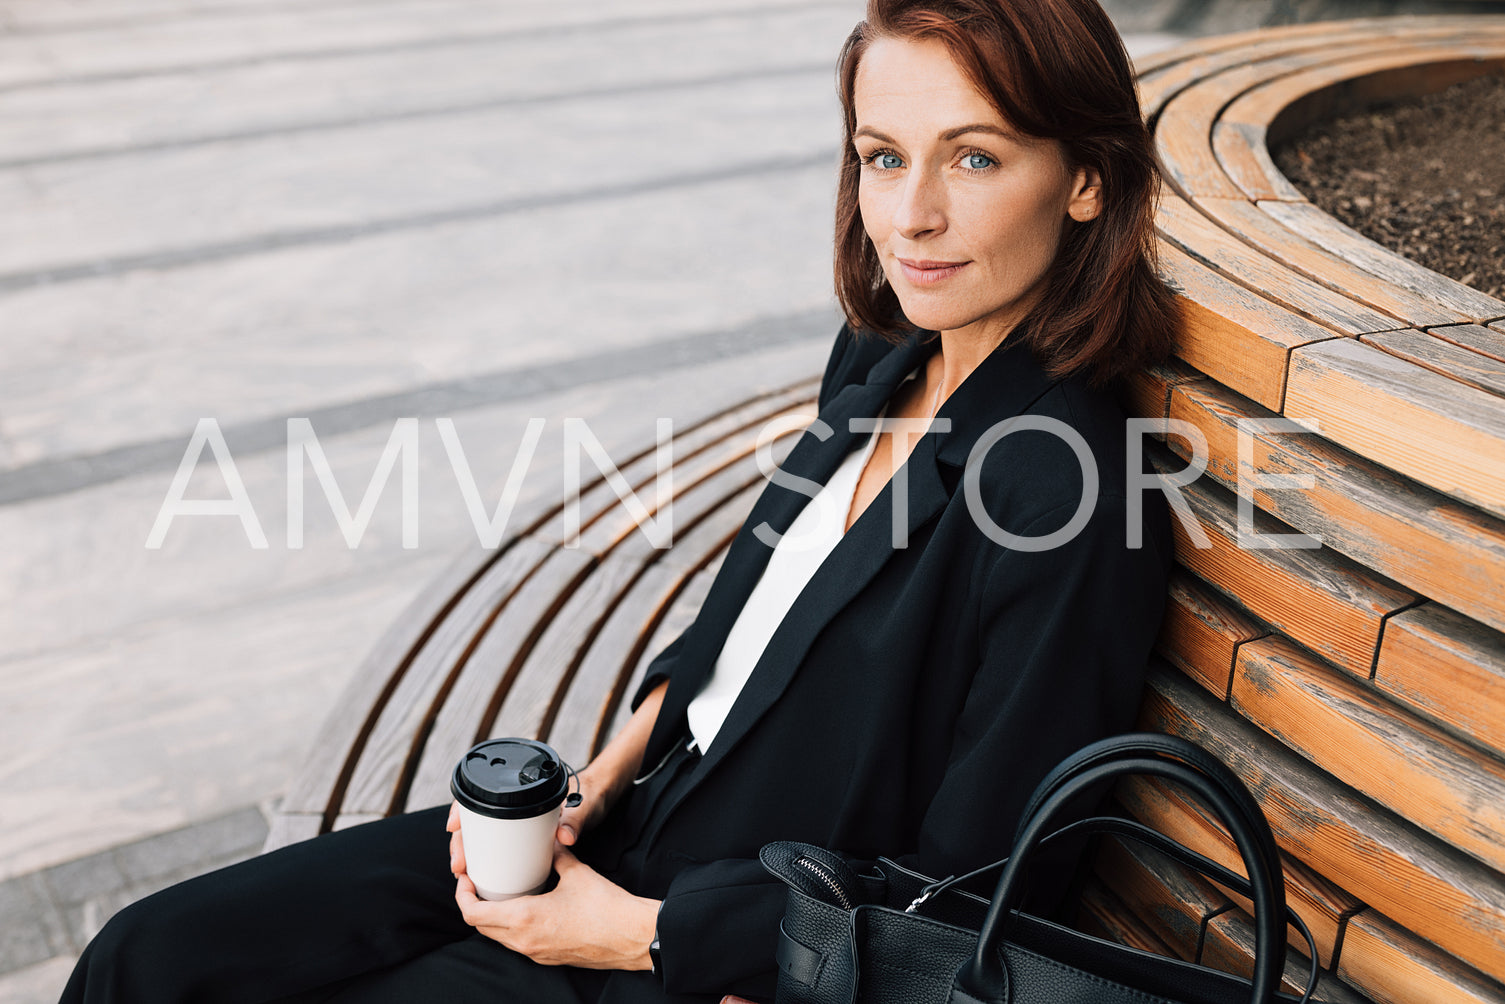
x,y
1395,967
1229,945
1446,897
1332,605
1416,422
1323,906
1444,358
377,775
1452,791
1201,633
1357,77
1147,393
1185,123
1230,333
1449,668
1208,243
1104,915
1252,225
1474,337
1173,901
1420,539
1316,226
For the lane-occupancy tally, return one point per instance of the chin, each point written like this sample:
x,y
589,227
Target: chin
x,y
932,316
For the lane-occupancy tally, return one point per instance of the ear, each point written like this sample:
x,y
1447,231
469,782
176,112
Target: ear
x,y
1086,195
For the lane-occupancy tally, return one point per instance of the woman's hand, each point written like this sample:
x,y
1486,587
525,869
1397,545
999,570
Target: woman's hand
x,y
586,920
597,793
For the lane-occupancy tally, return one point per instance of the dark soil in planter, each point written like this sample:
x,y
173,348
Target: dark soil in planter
x,y
1425,178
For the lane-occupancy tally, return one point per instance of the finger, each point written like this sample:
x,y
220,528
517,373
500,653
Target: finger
x,y
457,853
564,859
453,823
566,834
466,899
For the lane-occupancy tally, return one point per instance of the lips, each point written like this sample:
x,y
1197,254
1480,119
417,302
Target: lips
x,y
925,272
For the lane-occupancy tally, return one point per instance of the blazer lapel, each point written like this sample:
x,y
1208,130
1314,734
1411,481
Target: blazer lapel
x,y
854,561
1006,383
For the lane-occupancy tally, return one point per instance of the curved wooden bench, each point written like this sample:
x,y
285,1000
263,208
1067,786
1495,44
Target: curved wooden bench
x,y
1359,687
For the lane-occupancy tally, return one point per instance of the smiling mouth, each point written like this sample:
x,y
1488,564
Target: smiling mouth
x,y
925,273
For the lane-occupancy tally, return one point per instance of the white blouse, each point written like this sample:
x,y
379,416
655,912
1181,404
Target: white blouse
x,y
814,533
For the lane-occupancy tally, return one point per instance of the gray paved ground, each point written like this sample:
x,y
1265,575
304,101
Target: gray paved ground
x,y
252,210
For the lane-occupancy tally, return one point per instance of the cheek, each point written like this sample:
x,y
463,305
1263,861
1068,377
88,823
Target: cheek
x,y
1016,222
874,214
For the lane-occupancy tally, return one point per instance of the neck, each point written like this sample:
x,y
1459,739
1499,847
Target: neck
x,y
963,349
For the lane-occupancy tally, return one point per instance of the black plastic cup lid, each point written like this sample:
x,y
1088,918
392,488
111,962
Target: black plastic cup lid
x,y
510,779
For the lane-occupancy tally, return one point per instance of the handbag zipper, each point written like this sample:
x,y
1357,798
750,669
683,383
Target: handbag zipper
x,y
842,899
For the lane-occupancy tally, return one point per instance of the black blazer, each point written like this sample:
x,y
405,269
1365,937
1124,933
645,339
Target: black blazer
x,y
912,697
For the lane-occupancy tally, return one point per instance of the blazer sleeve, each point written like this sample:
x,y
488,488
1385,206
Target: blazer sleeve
x,y
1064,640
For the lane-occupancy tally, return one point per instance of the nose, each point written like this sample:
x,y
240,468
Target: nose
x,y
921,210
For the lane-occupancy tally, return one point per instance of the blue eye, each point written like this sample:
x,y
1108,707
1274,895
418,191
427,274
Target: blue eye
x,y
978,161
889,161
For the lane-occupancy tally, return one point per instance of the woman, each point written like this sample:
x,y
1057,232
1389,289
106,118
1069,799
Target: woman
x,y
979,601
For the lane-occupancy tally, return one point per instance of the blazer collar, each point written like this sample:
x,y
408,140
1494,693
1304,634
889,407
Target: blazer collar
x,y
1004,384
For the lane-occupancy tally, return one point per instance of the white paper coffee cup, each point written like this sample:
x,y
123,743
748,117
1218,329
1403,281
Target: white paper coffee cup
x,y
511,793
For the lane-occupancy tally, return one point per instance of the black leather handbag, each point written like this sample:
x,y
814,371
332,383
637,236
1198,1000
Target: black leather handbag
x,y
883,934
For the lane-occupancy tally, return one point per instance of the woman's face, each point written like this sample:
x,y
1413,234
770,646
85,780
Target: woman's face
x,y
966,214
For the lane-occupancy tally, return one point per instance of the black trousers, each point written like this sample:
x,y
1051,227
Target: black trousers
x,y
362,916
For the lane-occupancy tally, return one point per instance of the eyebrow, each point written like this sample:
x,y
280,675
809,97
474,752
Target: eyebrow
x,y
949,134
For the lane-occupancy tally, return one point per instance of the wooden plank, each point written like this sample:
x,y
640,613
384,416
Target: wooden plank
x,y
290,828
1416,537
343,732
378,752
1325,601
1446,435
1183,129
1173,902
1444,358
384,763
615,526
529,703
1252,225
1449,668
1205,241
1390,864
1229,945
1244,153
1474,337
450,726
600,682
1435,62
1322,905
1146,393
679,617
1394,966
1103,915
1374,746
1326,232
1231,333
1201,632
1167,73
1359,78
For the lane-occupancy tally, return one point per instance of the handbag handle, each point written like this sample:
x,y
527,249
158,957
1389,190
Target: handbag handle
x,y
1133,830
985,978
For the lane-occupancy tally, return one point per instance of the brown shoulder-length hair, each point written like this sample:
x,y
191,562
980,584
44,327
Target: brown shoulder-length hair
x,y
1055,69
